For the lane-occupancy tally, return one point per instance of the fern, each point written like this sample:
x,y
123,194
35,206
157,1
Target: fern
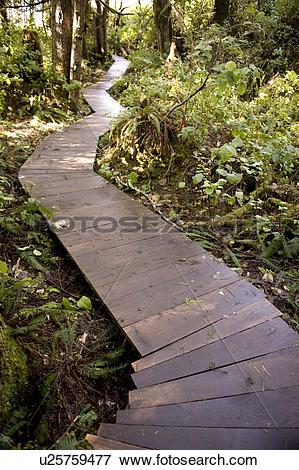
x,y
68,442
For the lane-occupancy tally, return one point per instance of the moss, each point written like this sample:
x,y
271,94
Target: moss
x,y
13,371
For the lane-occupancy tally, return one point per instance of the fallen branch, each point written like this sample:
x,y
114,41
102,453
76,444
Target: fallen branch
x,y
202,86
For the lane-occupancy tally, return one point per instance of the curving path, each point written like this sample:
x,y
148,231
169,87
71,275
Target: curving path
x,y
218,368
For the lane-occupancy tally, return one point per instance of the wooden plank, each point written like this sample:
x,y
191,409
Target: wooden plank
x,y
64,186
131,258
268,337
170,325
269,409
242,320
101,443
91,197
202,272
63,165
38,177
124,215
270,372
182,438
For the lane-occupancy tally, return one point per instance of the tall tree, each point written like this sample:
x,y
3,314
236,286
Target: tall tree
x,y
62,37
163,22
79,16
67,7
222,11
3,10
56,31
100,12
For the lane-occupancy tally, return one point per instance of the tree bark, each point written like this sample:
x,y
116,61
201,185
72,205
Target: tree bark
x,y
3,11
100,28
79,15
222,11
67,35
56,31
163,23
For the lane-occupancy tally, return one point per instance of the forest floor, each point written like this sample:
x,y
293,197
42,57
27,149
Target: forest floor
x,y
258,238
235,243
78,374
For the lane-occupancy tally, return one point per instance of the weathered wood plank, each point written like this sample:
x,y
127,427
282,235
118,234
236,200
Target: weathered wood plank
x,y
202,273
270,372
64,186
168,438
124,215
170,325
92,197
101,443
236,322
130,258
271,336
269,409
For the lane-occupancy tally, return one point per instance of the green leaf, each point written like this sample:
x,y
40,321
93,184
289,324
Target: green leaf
x,y
84,303
67,304
241,88
182,184
192,301
230,66
132,178
226,152
3,267
197,178
237,142
234,178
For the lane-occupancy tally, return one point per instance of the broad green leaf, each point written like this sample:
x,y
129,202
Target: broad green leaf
x,y
197,178
237,142
241,88
132,178
3,267
67,304
226,152
230,66
84,303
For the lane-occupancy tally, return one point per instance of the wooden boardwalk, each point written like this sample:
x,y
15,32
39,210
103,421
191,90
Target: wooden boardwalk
x,y
218,368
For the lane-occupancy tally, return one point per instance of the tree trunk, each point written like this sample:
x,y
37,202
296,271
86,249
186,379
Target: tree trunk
x,y
3,11
56,30
77,45
67,7
222,11
162,17
100,29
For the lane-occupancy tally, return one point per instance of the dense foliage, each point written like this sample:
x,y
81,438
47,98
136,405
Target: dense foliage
x,y
199,137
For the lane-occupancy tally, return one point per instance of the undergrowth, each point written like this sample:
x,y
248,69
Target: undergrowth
x,y
63,362
213,142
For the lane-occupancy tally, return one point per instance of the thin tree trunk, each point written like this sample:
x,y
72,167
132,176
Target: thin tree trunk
x,y
67,35
56,30
77,46
222,11
3,11
162,17
100,29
